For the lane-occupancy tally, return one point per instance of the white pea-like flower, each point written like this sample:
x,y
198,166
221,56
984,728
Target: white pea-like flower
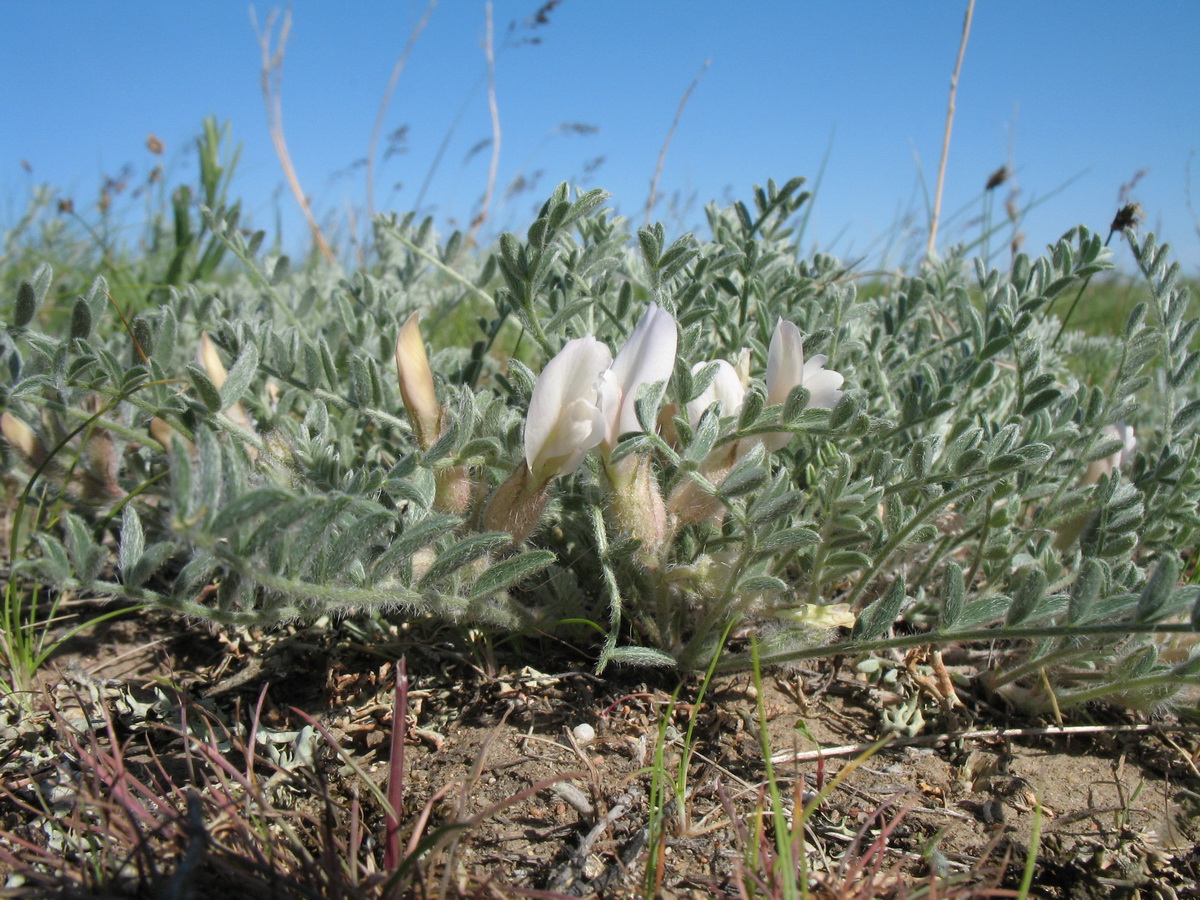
x,y
647,357
787,369
565,420
726,388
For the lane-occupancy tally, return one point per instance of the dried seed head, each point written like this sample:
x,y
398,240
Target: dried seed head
x,y
998,178
1127,217
1010,205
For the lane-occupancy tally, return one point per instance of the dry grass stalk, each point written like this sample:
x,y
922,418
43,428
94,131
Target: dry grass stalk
x,y
941,179
494,110
662,154
386,101
272,88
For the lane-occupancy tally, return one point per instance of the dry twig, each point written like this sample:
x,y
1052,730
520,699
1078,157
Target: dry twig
x,y
929,740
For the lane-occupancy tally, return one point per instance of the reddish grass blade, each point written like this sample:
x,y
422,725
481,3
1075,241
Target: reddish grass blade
x,y
395,783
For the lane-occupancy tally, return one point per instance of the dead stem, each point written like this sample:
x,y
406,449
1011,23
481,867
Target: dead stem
x,y
785,756
937,200
386,101
494,110
662,154
272,88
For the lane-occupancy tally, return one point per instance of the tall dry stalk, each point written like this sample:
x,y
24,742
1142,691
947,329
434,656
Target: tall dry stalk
x,y
937,200
272,88
386,101
662,154
494,110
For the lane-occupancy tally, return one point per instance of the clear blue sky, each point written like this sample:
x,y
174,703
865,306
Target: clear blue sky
x,y
1076,94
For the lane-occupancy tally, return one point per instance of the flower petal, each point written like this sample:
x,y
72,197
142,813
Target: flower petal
x,y
648,356
823,388
785,361
564,419
726,388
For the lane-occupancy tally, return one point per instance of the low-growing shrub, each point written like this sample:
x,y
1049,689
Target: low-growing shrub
x,y
688,445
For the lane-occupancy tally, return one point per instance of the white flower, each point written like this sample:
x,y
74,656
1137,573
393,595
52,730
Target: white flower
x,y
726,388
787,369
565,420
689,503
647,357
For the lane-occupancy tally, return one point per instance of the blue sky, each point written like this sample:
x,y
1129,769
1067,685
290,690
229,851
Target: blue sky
x,y
1078,97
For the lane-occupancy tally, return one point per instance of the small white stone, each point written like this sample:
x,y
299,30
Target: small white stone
x,y
584,733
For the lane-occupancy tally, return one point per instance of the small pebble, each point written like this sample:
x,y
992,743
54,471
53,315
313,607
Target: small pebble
x,y
584,733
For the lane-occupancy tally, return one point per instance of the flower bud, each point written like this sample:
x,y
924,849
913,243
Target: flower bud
x,y
22,438
516,506
637,507
416,384
206,355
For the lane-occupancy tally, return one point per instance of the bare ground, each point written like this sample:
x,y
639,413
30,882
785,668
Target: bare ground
x,y
538,777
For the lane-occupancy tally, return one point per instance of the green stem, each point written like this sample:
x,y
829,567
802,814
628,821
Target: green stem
x,y
930,639
900,537
610,585
441,266
783,843
339,401
1031,855
1070,310
1166,679
1041,662
252,267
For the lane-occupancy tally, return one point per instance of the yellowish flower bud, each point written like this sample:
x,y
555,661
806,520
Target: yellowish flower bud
x,y
416,383
207,356
22,438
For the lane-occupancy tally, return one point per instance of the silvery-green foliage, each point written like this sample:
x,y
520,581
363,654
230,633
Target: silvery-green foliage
x,y
948,487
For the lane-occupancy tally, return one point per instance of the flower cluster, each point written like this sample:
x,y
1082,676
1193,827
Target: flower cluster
x,y
786,370
585,399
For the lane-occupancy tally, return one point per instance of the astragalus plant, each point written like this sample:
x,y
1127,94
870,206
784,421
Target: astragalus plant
x,y
692,445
